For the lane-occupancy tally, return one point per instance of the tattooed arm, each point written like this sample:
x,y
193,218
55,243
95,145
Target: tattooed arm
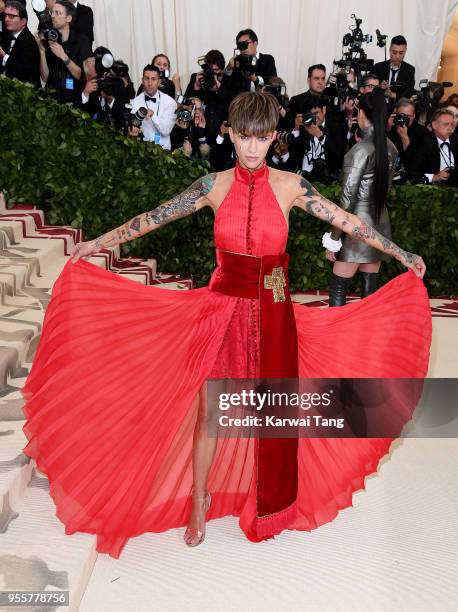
x,y
181,205
312,202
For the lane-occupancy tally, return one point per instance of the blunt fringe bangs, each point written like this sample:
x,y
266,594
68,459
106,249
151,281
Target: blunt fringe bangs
x,y
253,113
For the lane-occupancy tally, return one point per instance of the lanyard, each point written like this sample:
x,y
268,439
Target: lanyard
x,y
158,94
448,162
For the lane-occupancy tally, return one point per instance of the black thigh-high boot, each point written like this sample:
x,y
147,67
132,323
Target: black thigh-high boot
x,y
338,290
368,283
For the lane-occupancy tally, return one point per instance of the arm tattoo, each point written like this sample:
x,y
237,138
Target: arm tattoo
x,y
321,209
315,204
179,206
182,204
365,232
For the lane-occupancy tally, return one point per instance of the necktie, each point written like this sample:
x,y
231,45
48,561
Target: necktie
x,y
13,40
148,99
445,145
393,77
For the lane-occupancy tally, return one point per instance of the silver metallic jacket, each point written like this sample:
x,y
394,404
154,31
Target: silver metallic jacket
x,y
358,198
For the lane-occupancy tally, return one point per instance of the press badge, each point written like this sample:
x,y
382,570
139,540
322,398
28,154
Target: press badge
x,y
157,137
69,83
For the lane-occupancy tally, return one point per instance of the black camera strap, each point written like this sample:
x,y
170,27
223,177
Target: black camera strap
x,y
445,153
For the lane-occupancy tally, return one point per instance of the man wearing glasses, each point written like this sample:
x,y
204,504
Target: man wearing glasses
x,y
19,55
61,60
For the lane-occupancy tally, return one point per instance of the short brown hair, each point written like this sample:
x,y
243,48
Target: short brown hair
x,y
441,111
253,113
70,9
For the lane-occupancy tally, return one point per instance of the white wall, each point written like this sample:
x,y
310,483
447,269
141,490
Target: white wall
x,y
297,32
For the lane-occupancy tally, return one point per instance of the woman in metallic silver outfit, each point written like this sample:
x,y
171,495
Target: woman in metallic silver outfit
x,y
368,170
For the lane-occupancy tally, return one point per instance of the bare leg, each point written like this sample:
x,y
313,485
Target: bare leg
x,y
370,267
203,452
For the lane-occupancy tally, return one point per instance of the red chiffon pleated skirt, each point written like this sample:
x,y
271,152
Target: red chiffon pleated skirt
x,y
113,395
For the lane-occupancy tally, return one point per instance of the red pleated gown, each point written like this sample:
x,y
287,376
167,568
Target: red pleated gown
x,y
112,397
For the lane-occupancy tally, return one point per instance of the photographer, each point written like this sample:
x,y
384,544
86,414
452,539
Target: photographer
x,y
367,85
211,86
160,107
61,60
222,155
189,130
316,80
103,97
19,54
249,69
403,131
437,153
277,88
171,87
319,144
397,77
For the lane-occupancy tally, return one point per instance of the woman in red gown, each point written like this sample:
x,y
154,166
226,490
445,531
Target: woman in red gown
x,y
115,401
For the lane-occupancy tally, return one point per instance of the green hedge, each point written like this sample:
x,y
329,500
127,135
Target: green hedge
x,y
89,176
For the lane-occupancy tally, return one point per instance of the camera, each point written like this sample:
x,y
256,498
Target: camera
x,y
184,101
163,78
355,57
246,64
309,119
279,93
131,119
356,38
208,79
401,120
285,137
185,114
46,31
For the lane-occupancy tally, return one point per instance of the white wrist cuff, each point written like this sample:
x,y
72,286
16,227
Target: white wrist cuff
x,y
331,244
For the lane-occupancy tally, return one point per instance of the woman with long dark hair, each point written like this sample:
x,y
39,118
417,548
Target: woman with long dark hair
x,y
367,174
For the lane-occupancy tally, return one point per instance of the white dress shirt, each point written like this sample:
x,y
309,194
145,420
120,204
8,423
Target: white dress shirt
x,y
159,126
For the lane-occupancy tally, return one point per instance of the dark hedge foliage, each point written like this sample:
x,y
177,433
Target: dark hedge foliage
x,y
89,176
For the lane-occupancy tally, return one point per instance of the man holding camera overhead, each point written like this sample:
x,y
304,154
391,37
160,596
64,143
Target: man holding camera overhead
x,y
249,69
160,117
62,52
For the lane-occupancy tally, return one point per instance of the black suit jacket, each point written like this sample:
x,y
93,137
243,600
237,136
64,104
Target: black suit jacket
x,y
298,104
427,158
265,68
406,76
334,145
84,21
24,60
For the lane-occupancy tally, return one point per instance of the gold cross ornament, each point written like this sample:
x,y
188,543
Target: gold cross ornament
x,y
276,282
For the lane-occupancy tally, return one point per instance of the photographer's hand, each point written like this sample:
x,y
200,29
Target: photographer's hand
x,y
198,81
314,130
349,106
133,131
223,129
384,84
58,50
441,176
90,87
177,82
298,121
402,133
